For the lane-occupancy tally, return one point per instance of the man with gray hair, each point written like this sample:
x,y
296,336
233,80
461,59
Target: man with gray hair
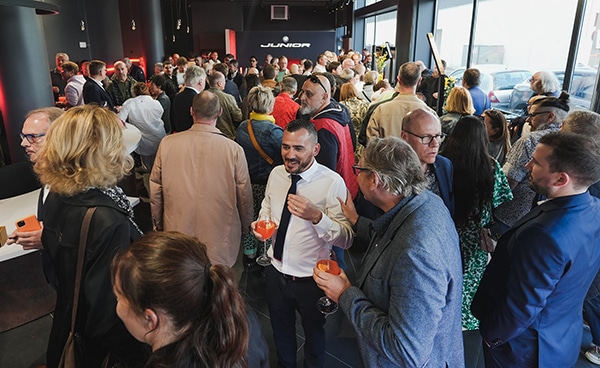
x,y
382,309
200,184
33,136
181,116
545,115
387,118
583,122
120,85
58,83
134,71
231,115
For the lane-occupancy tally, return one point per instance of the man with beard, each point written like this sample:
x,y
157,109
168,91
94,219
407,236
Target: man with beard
x,y
310,220
120,84
530,299
331,122
171,87
545,115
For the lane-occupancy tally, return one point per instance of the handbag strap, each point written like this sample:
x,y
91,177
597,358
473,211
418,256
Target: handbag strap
x,y
80,257
257,147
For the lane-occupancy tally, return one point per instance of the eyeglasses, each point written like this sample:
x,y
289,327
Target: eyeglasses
x,y
427,139
534,114
314,79
531,80
357,169
31,138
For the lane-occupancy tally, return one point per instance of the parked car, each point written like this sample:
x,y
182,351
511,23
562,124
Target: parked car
x,y
496,81
582,89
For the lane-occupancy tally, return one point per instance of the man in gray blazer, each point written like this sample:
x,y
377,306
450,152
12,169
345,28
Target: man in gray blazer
x,y
406,305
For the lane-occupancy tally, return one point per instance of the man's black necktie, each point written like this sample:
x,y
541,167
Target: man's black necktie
x,y
285,220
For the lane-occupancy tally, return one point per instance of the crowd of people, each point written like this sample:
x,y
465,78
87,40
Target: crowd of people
x,y
466,234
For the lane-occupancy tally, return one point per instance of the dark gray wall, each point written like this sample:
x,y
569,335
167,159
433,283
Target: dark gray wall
x,y
208,21
102,30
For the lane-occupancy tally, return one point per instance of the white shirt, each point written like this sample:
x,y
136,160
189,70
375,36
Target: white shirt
x,y
179,76
319,69
145,113
74,90
304,239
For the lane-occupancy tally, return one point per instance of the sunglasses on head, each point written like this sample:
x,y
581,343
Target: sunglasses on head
x,y
314,79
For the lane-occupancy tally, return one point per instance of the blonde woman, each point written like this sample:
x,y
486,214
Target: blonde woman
x,y
459,104
81,161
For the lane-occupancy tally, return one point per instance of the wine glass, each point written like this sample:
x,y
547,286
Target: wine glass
x,y
265,227
327,263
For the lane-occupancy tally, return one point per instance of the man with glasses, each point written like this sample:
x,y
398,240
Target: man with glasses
x,y
33,135
422,130
405,305
545,115
386,119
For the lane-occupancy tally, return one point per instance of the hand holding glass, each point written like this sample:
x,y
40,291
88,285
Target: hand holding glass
x,y
327,263
265,227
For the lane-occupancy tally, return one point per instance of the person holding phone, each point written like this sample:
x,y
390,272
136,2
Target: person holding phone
x,y
33,136
81,161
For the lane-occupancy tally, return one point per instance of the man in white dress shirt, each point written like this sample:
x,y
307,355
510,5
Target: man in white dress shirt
x,y
316,222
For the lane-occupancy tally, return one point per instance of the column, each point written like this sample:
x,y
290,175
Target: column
x,y
152,34
24,75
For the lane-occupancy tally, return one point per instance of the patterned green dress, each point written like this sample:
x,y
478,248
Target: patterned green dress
x,y
358,110
474,258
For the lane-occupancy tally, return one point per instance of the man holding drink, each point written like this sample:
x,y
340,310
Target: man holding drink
x,y
406,305
301,199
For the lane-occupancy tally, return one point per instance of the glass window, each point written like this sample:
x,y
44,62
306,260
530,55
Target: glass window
x,y
379,29
588,57
513,39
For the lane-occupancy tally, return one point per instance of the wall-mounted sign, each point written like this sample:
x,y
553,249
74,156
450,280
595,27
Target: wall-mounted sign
x,y
294,45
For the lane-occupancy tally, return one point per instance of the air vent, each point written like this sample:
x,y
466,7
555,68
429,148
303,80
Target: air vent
x,y
279,12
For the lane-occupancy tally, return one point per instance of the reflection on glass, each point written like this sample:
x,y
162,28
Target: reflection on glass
x,y
588,57
379,29
511,43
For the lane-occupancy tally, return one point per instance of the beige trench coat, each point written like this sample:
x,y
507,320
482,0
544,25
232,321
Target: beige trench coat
x,y
200,186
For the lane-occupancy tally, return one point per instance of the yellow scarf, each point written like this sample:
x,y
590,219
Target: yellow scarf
x,y
257,116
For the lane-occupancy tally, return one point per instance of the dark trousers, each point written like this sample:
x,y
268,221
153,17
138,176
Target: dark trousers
x,y
503,357
591,313
285,296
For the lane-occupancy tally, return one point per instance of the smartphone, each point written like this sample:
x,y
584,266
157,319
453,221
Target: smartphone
x,y
29,223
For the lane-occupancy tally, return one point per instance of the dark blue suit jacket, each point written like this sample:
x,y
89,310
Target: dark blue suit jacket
x,y
93,93
531,296
444,171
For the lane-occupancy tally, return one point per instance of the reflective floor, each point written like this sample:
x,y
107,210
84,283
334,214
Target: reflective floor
x,y
25,346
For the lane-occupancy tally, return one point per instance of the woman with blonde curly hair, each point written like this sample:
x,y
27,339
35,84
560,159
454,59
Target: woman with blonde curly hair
x,y
81,161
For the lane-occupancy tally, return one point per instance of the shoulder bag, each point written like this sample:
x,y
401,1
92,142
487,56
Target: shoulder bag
x,y
257,146
72,351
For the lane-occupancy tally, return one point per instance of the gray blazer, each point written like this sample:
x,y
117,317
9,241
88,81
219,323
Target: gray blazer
x,y
406,307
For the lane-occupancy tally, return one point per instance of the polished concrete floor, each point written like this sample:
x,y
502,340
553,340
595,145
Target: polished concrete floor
x,y
24,346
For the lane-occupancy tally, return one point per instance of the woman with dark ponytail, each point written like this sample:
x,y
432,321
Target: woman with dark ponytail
x,y
189,311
